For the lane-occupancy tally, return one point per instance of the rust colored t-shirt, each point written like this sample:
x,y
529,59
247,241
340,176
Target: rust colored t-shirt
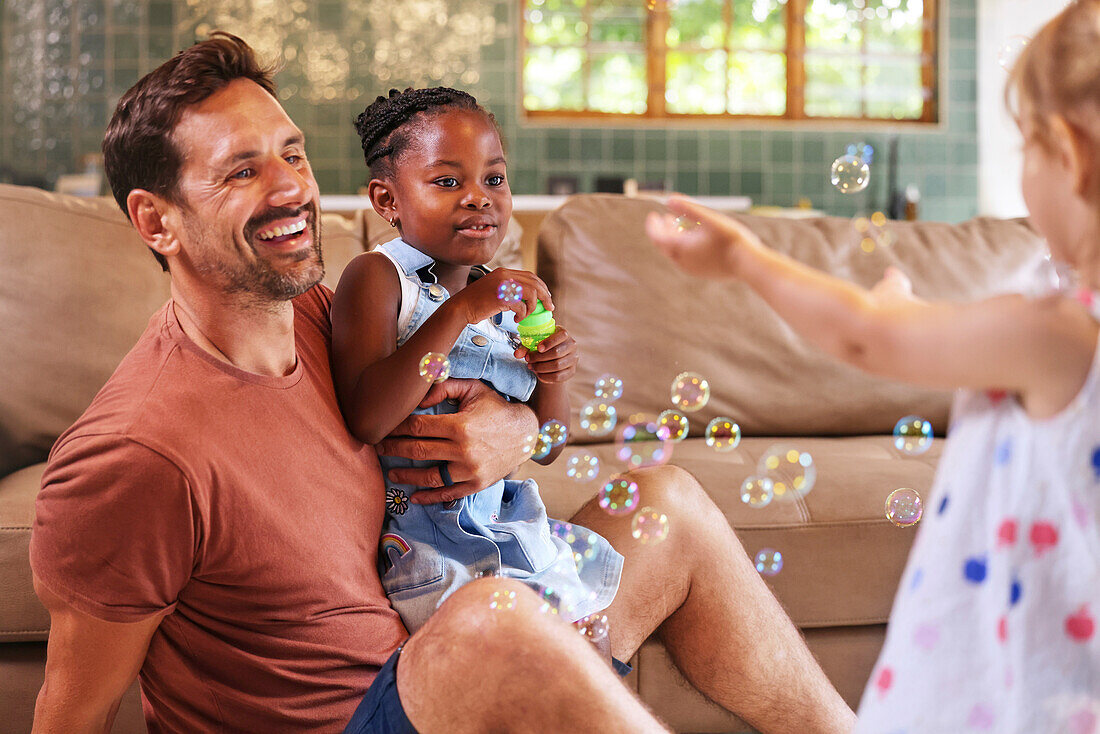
x,y
239,506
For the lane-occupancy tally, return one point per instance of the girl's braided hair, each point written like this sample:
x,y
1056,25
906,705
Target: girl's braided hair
x,y
384,128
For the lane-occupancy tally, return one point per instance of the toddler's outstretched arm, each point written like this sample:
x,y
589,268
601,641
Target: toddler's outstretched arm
x,y
1039,348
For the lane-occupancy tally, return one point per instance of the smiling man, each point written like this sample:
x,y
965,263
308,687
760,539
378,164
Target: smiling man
x,y
211,525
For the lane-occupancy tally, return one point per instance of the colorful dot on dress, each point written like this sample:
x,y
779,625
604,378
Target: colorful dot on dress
x,y
1080,625
884,680
1004,452
1002,628
1096,462
974,569
981,717
1006,533
1043,536
943,505
1014,592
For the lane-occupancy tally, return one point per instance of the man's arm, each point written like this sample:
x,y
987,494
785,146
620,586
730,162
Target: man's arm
x,y
481,443
90,664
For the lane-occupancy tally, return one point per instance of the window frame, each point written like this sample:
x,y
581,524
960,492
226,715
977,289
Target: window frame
x,y
656,27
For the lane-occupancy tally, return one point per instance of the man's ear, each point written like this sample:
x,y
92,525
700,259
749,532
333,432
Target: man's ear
x,y
152,217
383,200
1077,154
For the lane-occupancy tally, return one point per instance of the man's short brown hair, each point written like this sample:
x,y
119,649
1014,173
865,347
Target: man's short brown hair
x,y
138,150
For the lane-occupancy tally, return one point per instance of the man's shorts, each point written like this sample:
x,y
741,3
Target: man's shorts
x,y
380,711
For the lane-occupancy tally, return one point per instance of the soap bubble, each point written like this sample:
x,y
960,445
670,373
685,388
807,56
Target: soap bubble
x,y
487,573
542,447
849,174
757,491
643,442
564,530
619,496
598,417
582,466
1010,51
584,549
609,387
690,391
551,602
912,435
555,431
904,507
435,367
530,442
769,561
593,628
503,600
510,292
723,434
685,223
676,422
649,525
872,232
790,470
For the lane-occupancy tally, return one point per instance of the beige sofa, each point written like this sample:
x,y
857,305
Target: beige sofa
x,y
79,286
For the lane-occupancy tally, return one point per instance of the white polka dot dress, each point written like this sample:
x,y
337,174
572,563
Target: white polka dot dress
x,y
994,626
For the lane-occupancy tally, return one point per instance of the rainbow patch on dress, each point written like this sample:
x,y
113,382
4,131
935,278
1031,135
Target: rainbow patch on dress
x,y
392,541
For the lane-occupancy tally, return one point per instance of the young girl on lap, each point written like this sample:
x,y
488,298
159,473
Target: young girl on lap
x,y
994,627
438,175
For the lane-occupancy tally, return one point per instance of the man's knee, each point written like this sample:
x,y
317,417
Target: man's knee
x,y
487,618
670,488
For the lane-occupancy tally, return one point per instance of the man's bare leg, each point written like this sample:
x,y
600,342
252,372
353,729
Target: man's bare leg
x,y
720,623
472,668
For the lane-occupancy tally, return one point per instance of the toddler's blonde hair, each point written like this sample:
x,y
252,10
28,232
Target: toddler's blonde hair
x,y
1058,73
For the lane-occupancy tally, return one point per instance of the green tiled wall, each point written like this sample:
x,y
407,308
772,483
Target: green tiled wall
x,y
773,165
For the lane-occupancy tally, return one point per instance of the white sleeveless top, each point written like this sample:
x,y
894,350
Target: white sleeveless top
x,y
995,623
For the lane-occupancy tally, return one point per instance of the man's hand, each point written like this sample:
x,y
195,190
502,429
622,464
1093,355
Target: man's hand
x,y
481,443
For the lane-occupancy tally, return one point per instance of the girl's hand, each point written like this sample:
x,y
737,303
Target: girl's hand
x,y
480,300
554,359
895,287
703,242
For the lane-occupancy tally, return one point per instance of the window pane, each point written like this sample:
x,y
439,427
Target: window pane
x,y
696,82
697,24
759,24
561,24
833,87
552,79
894,90
758,84
618,21
618,83
895,29
833,25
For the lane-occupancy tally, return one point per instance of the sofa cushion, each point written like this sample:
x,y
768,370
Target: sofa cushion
x,y
634,314
82,293
22,616
842,557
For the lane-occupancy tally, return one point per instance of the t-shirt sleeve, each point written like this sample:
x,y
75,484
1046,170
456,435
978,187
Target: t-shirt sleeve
x,y
115,531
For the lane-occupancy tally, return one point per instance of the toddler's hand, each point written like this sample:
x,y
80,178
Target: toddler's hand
x,y
709,246
895,286
481,299
554,359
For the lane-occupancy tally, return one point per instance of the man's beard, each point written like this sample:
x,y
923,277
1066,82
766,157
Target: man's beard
x,y
258,280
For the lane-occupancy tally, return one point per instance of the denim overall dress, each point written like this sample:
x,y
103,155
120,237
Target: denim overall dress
x,y
428,551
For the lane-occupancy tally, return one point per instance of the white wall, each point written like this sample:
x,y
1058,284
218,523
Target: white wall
x,y
999,156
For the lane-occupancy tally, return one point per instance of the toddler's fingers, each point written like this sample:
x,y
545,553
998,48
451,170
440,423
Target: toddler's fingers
x,y
558,337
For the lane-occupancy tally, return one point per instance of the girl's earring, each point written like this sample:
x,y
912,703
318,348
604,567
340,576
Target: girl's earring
x,y
393,222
